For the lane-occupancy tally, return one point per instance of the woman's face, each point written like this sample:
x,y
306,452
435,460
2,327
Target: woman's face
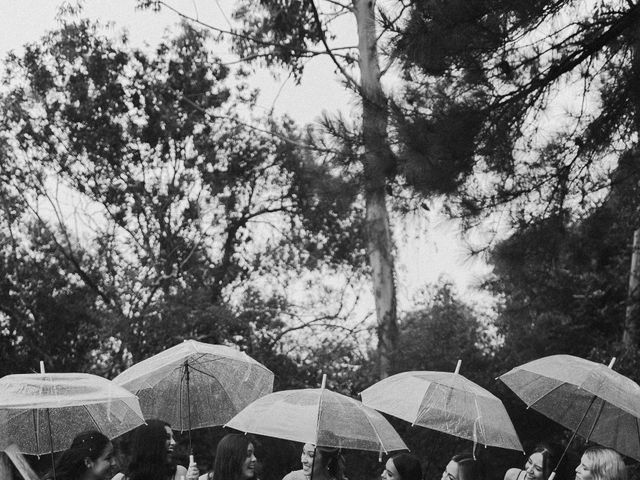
x,y
307,459
583,471
390,472
100,468
170,443
534,469
249,463
451,472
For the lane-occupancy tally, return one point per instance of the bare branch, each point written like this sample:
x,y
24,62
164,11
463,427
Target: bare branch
x,y
350,80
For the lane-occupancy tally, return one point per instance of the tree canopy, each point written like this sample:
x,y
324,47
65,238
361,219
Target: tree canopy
x,y
139,172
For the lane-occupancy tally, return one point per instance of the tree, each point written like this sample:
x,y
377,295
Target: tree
x,y
442,331
518,62
288,33
564,284
190,203
631,336
45,314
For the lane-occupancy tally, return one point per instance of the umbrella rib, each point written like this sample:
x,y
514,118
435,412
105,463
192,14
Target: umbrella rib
x,y
202,372
595,422
36,425
318,417
638,428
213,377
218,358
546,393
376,432
92,419
182,377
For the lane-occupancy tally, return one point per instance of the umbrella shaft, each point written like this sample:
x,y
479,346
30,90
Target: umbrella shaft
x,y
186,370
573,436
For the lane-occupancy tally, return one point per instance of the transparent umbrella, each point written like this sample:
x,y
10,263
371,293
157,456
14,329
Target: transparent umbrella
x,y
589,398
195,385
42,413
321,417
446,402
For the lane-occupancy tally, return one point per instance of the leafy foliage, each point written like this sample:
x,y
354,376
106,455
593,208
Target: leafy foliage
x,y
46,313
516,62
188,201
565,283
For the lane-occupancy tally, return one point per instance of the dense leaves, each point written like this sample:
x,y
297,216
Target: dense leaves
x,y
522,63
182,204
565,283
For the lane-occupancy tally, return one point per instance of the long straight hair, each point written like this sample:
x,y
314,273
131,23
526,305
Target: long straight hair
x,y
72,463
408,466
149,452
467,467
550,457
230,455
332,461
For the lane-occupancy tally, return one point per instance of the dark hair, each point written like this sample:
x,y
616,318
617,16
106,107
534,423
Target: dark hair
x,y
149,452
550,457
467,466
230,455
408,466
71,465
332,460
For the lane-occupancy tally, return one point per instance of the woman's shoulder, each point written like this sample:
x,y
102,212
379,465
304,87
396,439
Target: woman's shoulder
x,y
118,476
295,475
181,473
512,474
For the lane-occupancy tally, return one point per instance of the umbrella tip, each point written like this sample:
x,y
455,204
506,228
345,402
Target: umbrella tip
x,y
458,366
41,367
324,381
613,360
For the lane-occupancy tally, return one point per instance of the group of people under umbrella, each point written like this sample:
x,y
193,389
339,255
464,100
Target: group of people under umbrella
x,y
195,385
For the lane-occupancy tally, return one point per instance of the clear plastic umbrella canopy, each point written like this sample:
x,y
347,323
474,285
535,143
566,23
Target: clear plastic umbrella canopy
x,y
195,385
320,417
589,398
42,413
446,402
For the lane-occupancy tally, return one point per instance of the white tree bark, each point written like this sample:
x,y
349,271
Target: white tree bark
x,y
631,330
378,162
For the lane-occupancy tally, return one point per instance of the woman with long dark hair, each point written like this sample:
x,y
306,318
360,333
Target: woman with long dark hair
x,y
402,466
152,448
539,465
235,459
319,463
462,467
90,457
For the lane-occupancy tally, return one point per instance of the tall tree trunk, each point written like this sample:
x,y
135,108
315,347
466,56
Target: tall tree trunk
x,y
631,333
378,163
